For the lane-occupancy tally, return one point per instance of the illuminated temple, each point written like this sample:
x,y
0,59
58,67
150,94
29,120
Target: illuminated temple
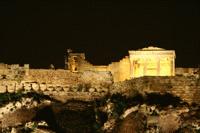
x,y
150,61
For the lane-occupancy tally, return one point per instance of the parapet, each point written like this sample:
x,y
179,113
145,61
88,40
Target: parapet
x,y
13,71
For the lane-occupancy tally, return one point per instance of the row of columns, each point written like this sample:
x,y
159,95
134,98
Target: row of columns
x,y
158,67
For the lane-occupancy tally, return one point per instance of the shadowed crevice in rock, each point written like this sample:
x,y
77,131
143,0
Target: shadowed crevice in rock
x,y
163,100
72,117
47,115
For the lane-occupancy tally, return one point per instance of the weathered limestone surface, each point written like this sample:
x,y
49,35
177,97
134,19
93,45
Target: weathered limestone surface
x,y
61,84
49,76
120,70
88,84
188,71
64,77
187,88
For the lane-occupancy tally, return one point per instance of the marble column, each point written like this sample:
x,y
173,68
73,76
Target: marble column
x,y
132,68
158,66
172,66
145,67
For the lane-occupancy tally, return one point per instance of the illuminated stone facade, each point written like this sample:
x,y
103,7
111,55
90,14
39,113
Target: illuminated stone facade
x,y
74,61
150,61
81,80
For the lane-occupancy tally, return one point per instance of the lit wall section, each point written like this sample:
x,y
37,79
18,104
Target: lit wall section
x,y
152,61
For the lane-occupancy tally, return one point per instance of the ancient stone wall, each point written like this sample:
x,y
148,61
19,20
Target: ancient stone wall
x,y
186,84
90,84
56,80
78,63
13,71
188,71
185,87
120,70
49,76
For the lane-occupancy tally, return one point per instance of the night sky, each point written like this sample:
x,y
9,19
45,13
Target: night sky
x,y
38,32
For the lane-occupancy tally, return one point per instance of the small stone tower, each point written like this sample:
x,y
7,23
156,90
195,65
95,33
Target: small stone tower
x,y
72,61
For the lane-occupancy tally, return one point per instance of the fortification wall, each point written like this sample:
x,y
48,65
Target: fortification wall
x,y
186,84
52,76
61,77
124,69
120,70
13,71
56,80
188,71
84,65
185,87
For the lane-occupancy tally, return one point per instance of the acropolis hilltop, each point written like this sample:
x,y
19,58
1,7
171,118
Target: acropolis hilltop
x,y
151,62
82,90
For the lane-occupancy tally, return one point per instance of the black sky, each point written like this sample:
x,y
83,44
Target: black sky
x,y
38,32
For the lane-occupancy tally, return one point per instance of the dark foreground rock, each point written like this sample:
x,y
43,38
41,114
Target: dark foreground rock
x,y
150,113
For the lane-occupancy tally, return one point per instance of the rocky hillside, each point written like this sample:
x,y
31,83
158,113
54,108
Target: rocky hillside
x,y
151,113
124,107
